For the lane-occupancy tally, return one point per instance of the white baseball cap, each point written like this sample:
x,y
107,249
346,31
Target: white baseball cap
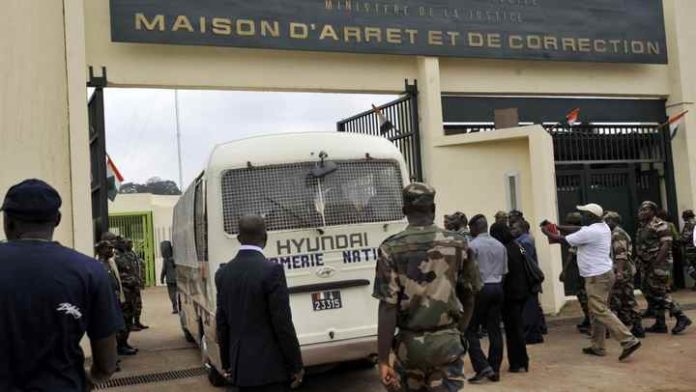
x,y
594,209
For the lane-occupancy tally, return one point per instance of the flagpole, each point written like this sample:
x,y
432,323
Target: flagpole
x,y
178,138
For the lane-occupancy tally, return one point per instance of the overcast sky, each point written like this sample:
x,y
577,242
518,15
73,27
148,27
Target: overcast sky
x,y
141,125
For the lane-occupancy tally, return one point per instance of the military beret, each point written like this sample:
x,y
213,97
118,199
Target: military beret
x,y
649,204
32,201
419,194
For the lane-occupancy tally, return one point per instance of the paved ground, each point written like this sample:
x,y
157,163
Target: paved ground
x,y
664,364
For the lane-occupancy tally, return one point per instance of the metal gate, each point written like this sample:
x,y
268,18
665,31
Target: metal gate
x,y
97,151
403,129
138,228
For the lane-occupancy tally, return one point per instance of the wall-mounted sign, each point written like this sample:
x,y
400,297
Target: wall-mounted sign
x,y
630,31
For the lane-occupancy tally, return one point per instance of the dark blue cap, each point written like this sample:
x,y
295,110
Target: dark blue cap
x,y
33,201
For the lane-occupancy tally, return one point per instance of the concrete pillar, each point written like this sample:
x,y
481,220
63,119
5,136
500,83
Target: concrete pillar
x,y
681,38
42,105
429,112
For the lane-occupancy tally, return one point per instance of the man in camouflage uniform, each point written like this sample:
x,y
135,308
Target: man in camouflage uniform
x,y
687,241
127,264
653,247
570,270
623,300
138,304
459,223
501,217
426,283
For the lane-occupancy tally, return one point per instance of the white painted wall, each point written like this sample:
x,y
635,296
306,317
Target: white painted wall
x,y
162,208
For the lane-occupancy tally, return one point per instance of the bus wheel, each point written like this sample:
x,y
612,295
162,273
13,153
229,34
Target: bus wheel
x,y
214,376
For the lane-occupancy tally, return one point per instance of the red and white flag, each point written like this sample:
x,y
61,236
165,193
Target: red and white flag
x,y
674,123
573,116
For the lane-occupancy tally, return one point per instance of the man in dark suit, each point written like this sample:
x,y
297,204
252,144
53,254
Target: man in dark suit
x,y
258,344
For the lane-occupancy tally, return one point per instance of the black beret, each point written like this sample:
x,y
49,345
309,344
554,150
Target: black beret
x,y
32,201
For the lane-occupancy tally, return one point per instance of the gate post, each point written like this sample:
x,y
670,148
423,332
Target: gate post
x,y
429,113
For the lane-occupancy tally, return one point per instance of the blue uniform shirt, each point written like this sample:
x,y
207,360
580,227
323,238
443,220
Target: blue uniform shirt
x,y
49,297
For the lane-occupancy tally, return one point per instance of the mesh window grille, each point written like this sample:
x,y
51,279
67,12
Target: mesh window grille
x,y
289,197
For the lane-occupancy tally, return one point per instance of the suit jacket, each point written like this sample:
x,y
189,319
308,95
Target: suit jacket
x,y
258,343
515,285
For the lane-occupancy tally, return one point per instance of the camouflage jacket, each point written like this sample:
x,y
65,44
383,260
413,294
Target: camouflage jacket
x,y
421,270
622,250
649,239
687,237
128,270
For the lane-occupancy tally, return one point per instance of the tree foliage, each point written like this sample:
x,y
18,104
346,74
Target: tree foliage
x,y
154,185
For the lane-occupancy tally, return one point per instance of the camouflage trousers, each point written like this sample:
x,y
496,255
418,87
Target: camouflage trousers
x,y
430,361
138,305
690,262
581,294
448,378
623,301
656,287
128,307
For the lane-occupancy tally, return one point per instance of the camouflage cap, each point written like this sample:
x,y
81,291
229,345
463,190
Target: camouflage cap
x,y
688,214
501,214
649,204
574,218
612,215
418,194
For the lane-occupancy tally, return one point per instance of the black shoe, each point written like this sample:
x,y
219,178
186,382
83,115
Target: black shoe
x,y
479,377
629,350
126,351
592,351
175,311
141,326
531,341
135,328
648,313
521,369
495,377
131,347
682,323
658,327
638,330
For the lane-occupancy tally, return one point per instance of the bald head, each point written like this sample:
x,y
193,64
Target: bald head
x,y
252,231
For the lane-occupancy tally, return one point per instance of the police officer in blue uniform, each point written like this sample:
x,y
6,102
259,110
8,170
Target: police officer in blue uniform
x,y
50,296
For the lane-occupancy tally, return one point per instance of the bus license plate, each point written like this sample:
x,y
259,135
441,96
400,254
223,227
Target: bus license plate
x,y
327,300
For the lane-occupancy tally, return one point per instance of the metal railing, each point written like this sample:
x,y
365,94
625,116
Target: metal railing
x,y
592,143
404,132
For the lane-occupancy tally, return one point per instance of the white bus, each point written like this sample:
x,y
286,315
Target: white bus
x,y
329,200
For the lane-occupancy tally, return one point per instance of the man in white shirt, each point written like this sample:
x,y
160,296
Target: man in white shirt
x,y
593,242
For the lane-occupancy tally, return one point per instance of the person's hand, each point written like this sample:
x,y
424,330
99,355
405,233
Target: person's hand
x,y
297,379
561,277
162,280
227,375
389,378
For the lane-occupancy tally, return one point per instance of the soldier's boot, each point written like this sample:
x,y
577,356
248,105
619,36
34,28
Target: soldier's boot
x,y
648,313
584,326
139,324
660,325
682,323
638,330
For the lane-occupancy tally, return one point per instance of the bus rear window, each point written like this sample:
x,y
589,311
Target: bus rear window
x,y
289,197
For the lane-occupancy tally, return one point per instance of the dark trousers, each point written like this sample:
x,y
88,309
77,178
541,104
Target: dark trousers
x,y
171,288
489,303
279,387
514,333
534,320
